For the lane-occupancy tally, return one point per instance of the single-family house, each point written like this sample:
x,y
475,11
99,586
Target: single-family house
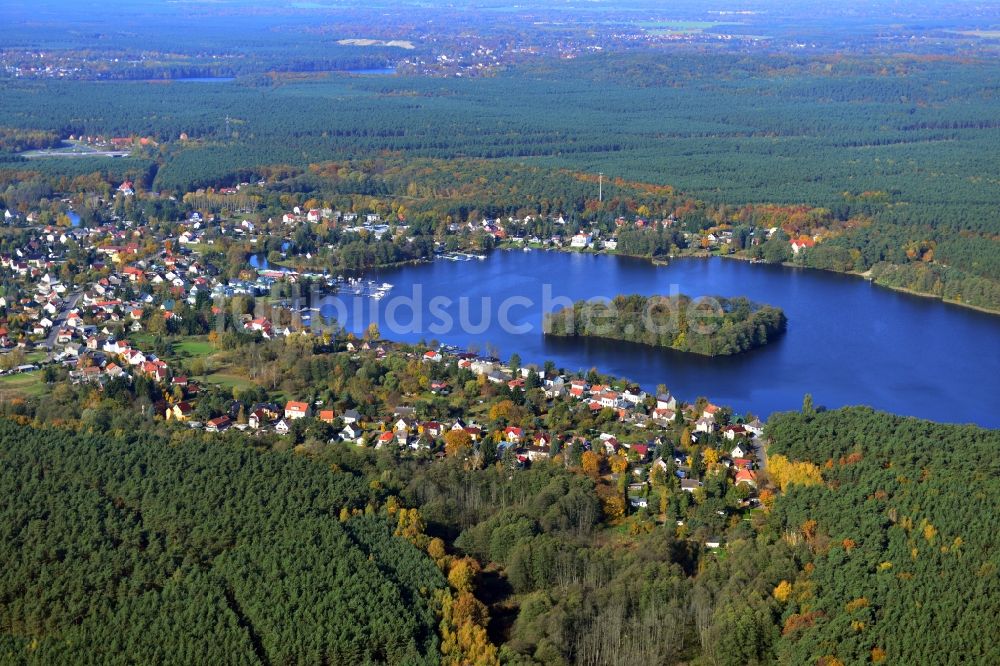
x,y
351,433
296,410
747,476
180,412
218,424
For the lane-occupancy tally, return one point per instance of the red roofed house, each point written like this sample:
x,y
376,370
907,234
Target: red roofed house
x,y
257,418
296,410
181,411
133,273
218,425
513,434
641,450
746,476
734,431
802,242
432,428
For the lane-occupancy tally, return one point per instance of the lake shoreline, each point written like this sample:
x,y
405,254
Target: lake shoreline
x,y
845,342
787,264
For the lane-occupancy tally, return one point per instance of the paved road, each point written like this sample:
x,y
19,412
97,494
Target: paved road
x,y
761,450
68,304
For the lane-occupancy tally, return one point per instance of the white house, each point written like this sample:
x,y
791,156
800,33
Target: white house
x,y
666,401
296,410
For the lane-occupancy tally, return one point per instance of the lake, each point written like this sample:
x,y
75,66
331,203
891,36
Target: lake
x,y
848,341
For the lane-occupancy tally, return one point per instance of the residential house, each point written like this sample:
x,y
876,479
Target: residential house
x,y
704,424
755,427
537,453
733,431
747,476
666,401
432,429
218,424
296,410
633,397
257,418
182,411
351,433
384,439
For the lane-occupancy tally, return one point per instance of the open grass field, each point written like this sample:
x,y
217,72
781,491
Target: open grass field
x,y
192,347
24,385
226,378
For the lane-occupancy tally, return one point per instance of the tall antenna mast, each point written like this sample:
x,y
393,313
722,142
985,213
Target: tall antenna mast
x,y
600,186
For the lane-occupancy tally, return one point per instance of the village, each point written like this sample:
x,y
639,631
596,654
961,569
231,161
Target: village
x,y
112,305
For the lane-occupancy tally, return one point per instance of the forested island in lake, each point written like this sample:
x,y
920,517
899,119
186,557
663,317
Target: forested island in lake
x,y
711,326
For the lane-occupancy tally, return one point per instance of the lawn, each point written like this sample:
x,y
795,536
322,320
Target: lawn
x,y
22,385
224,377
194,347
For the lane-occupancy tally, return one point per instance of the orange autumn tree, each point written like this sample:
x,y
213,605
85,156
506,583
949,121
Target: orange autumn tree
x,y
457,442
591,463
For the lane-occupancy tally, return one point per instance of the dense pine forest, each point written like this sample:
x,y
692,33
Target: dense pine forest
x,y
135,548
711,326
722,128
899,541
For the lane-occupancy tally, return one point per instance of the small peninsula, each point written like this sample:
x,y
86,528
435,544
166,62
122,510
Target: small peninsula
x,y
710,325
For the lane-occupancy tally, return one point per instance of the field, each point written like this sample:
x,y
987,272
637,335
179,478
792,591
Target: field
x,y
194,347
73,149
224,377
21,385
